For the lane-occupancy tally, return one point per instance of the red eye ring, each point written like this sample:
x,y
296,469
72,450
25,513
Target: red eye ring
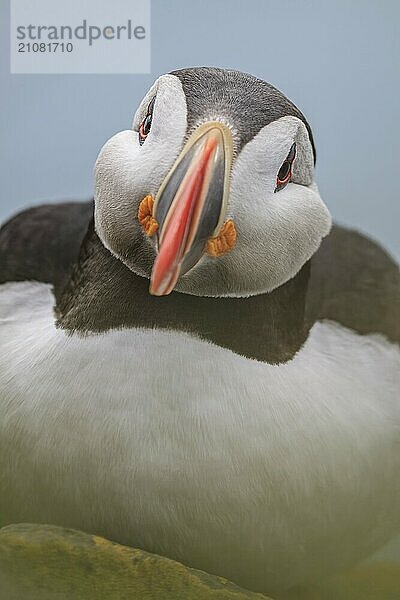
x,y
142,133
285,172
145,125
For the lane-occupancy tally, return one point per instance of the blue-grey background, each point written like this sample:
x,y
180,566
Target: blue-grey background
x,y
337,60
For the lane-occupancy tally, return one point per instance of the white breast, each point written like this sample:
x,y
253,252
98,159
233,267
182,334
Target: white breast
x,y
262,473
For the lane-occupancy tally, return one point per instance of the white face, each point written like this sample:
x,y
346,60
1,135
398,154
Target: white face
x,y
277,231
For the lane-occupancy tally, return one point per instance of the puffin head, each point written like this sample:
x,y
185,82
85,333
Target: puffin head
x,y
212,191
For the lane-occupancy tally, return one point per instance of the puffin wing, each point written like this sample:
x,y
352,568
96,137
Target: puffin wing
x,y
42,243
354,282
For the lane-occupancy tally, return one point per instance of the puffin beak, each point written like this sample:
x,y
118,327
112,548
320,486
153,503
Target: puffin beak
x,y
191,204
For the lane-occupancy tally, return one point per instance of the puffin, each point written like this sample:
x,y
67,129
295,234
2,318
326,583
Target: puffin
x,y
199,363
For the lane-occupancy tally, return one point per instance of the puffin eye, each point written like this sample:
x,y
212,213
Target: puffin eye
x,y
285,172
145,125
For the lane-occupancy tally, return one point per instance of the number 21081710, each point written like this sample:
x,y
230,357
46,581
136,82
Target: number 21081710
x,y
45,47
